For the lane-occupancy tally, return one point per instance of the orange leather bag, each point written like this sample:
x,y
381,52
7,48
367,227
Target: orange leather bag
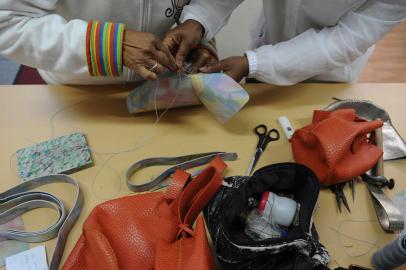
x,y
151,230
336,146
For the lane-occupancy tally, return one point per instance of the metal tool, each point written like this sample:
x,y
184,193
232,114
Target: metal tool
x,y
388,214
264,137
352,183
338,190
378,181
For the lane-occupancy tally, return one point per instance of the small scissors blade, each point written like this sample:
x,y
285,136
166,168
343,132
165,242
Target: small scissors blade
x,y
254,161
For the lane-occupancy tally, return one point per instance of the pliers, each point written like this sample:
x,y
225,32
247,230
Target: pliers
x,y
338,190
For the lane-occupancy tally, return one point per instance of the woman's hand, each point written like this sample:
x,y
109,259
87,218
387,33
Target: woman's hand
x,y
145,54
182,39
236,67
199,58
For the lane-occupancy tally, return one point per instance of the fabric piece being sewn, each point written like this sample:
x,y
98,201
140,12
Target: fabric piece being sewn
x,y
218,92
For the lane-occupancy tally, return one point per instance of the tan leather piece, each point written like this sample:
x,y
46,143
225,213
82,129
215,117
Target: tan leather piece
x,y
146,232
335,146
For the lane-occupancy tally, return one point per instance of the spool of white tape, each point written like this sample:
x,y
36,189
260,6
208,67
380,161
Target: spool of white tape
x,y
286,126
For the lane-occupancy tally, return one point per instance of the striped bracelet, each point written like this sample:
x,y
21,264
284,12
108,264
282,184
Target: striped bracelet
x,y
104,42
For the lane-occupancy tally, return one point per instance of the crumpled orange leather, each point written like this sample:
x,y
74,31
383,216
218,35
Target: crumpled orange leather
x,y
151,230
335,146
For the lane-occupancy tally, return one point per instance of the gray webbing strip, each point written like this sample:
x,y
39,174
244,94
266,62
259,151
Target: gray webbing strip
x,y
20,199
182,162
388,214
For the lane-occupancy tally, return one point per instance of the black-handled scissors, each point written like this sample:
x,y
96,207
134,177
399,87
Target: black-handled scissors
x,y
265,136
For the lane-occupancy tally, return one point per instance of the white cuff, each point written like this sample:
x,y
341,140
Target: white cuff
x,y
252,63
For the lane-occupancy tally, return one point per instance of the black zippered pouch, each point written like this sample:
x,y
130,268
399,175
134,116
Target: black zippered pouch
x,y
226,214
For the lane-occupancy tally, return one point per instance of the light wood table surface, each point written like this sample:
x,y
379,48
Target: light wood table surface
x,y
28,115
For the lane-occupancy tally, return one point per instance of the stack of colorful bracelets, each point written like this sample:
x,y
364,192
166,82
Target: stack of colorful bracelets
x,y
104,42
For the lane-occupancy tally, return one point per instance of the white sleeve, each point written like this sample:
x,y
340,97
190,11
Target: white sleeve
x,y
312,53
212,14
32,34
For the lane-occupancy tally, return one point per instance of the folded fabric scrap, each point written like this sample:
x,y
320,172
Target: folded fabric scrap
x,y
64,154
219,93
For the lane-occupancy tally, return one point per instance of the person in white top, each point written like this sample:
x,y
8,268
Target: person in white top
x,y
109,41
317,40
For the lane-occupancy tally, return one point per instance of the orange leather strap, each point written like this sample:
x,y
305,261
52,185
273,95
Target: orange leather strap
x,y
179,180
199,192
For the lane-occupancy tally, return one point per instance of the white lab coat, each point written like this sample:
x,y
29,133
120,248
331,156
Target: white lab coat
x,y
51,34
320,40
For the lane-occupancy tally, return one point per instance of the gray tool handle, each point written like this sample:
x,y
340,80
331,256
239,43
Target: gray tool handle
x,y
181,162
388,214
21,199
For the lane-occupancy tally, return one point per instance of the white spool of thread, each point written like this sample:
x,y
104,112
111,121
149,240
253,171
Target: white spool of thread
x,y
277,209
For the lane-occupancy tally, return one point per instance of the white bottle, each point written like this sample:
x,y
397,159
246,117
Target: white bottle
x,y
277,209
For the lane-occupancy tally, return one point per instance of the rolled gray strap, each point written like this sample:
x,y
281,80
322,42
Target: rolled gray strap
x,y
388,214
21,199
182,162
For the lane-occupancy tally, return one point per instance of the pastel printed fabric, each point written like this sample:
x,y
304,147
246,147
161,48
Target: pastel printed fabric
x,y
170,88
64,154
219,93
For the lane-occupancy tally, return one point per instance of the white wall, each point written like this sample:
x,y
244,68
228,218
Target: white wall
x,y
234,38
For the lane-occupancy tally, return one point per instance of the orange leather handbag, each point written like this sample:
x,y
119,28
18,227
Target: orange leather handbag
x,y
151,230
336,145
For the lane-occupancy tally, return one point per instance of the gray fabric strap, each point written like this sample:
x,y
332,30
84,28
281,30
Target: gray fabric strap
x,y
388,214
182,162
21,199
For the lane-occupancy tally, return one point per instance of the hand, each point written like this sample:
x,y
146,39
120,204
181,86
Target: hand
x,y
201,57
236,67
142,51
181,39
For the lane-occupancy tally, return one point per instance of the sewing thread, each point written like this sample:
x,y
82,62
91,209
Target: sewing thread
x,y
146,137
340,234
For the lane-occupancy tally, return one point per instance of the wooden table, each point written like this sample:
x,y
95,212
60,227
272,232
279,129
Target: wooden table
x,y
28,115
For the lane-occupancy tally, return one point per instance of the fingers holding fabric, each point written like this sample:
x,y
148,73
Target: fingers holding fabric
x,y
163,59
201,58
145,54
216,67
154,66
145,73
164,55
182,39
236,67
